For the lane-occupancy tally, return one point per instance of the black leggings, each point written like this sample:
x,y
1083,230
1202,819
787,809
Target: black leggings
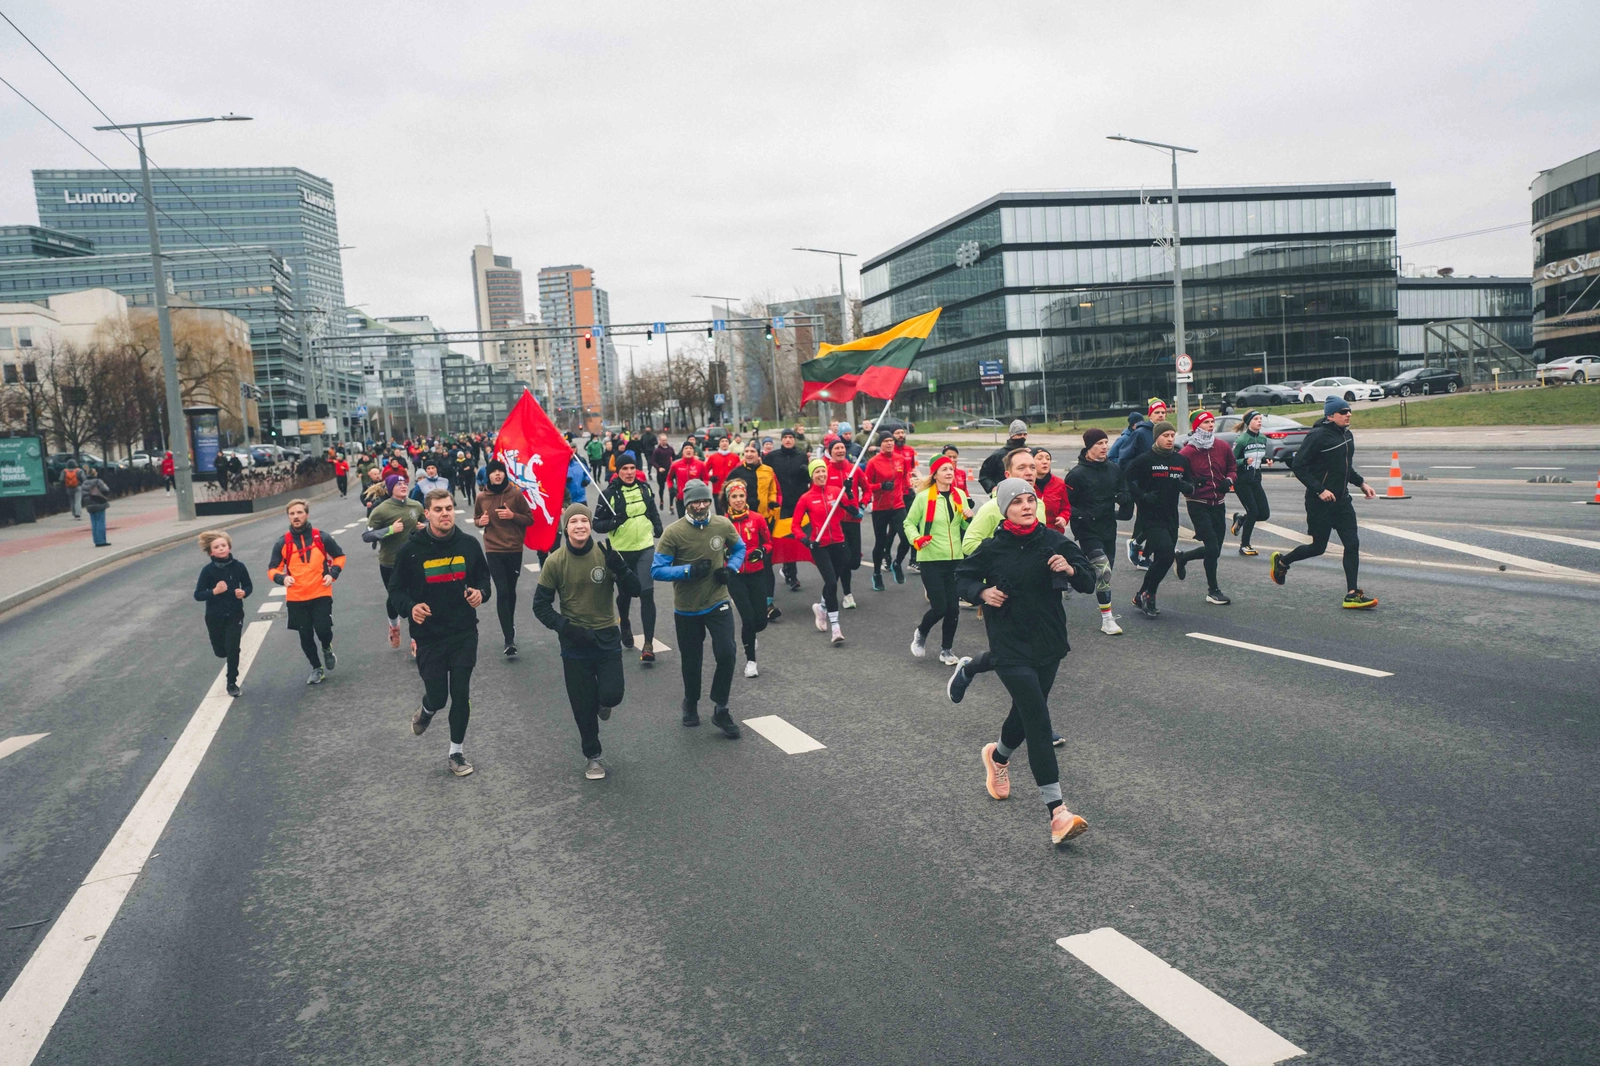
x,y
1029,719
504,569
886,525
1254,500
661,486
446,669
319,627
469,486
647,599
852,543
833,562
591,685
1322,519
939,578
692,631
1210,528
749,593
225,633
1160,535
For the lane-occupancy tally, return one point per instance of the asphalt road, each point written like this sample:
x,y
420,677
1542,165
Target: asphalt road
x,y
1395,869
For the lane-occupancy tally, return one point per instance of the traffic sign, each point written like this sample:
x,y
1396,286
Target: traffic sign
x,y
991,372
361,411
599,330
718,399
777,322
719,323
658,327
1185,364
1185,379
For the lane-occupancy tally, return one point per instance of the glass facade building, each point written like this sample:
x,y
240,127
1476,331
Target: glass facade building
x,y
285,209
1503,306
30,242
1073,290
1566,259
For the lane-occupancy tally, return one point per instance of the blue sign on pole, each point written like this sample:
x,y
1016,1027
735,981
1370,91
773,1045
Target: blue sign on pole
x,y
718,399
659,327
599,330
361,411
991,372
777,323
719,324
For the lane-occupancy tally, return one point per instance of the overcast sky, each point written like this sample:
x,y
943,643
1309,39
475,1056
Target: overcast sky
x,y
684,148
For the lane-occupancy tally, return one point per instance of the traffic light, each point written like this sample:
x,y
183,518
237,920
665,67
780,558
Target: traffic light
x,y
649,336
769,331
588,339
709,331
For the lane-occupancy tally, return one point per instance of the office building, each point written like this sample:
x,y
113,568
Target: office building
x,y
1471,324
497,297
39,242
570,306
477,395
1566,259
402,366
1071,294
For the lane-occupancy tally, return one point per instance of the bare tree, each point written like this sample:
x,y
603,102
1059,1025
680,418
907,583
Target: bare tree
x,y
71,377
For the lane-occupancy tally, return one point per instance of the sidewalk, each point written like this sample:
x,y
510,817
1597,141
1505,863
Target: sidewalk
x,y
38,557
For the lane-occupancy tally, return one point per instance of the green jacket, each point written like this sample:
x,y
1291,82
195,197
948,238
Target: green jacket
x,y
944,532
984,523
1248,451
595,450
389,544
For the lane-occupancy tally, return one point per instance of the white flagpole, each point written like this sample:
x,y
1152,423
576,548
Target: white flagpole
x,y
855,465
585,468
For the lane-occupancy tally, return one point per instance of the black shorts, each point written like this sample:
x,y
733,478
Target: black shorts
x,y
311,614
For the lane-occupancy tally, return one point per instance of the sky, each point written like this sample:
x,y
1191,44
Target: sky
x,y
687,148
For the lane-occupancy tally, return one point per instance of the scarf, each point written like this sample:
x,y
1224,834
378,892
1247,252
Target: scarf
x,y
958,506
1021,531
1203,438
736,515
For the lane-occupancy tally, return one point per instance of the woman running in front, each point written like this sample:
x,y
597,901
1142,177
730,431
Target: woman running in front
x,y
1018,575
824,536
934,524
747,586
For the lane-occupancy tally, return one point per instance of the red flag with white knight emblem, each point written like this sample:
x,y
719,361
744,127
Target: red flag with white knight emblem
x,y
536,456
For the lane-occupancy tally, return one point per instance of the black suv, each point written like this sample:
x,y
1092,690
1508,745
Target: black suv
x,y
1423,380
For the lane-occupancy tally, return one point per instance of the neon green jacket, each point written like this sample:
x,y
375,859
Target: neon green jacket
x,y
984,523
943,535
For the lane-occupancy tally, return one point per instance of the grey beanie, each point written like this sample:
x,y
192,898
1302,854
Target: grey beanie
x,y
695,491
1008,490
1019,428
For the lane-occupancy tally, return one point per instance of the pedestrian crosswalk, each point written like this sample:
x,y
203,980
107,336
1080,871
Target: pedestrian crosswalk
x,y
10,745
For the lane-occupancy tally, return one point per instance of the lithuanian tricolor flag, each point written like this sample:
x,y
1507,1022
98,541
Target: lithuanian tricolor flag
x,y
874,365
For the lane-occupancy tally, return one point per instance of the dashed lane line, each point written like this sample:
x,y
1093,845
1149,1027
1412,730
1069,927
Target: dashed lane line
x,y
11,745
270,607
36,998
1280,653
277,590
655,645
1188,1006
532,568
788,739
1538,468
1576,542
1472,549
1335,553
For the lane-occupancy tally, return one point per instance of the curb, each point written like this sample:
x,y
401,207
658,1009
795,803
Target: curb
x,y
33,592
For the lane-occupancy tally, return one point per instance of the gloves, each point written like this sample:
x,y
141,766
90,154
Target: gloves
x,y
699,569
577,635
756,555
885,486
720,575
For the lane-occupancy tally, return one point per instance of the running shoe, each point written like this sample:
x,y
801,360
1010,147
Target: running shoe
x,y
1145,603
604,712
1359,601
1181,565
916,567
1218,597
1245,549
329,658
997,775
691,714
647,657
956,687
458,764
750,668
877,581
899,573
316,676
511,651
1238,523
420,721
948,657
773,614
1280,569
1057,740
794,586
625,634
1133,551
1108,624
233,689
394,637
820,614
919,643
837,636
595,771
724,721
1064,825
849,602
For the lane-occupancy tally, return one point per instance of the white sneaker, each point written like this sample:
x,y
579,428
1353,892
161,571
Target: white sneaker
x,y
948,657
849,603
919,643
750,669
838,635
1108,624
821,614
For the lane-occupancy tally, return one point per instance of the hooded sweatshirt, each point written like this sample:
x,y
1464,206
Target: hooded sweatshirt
x,y
1326,461
1096,490
503,534
383,515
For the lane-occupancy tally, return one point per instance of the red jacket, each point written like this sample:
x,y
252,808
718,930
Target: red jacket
x,y
684,471
1053,494
757,537
341,468
855,493
721,464
961,480
887,470
810,511
908,455
167,465
1214,471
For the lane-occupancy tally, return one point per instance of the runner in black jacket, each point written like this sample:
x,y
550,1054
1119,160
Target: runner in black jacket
x,y
1097,490
788,464
1325,465
1156,479
1018,575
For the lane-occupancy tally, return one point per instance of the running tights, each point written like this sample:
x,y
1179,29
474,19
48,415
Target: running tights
x,y
939,578
1029,721
387,572
225,634
661,486
1159,539
749,593
1322,519
647,598
852,543
1210,528
504,569
833,563
446,669
1254,499
591,685
886,524
692,632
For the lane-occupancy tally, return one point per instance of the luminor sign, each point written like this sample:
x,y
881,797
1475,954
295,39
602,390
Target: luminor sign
x,y
104,196
316,199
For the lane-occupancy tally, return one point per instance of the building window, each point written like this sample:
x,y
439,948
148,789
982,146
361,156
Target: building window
x,y
24,337
11,375
5,337
30,373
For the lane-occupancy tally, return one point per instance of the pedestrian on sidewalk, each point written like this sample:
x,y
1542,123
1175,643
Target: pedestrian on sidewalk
x,y
502,512
307,562
1325,465
72,481
440,580
1019,574
1212,469
168,469
96,498
1250,457
223,585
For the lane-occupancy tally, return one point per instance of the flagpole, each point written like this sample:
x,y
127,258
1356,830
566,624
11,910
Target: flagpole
x,y
585,468
855,466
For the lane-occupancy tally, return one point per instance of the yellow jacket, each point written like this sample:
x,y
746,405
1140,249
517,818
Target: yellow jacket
x,y
766,493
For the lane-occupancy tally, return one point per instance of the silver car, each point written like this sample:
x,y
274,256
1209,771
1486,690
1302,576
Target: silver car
x,y
1577,369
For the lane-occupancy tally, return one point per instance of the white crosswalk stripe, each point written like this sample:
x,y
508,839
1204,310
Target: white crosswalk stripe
x,y
15,744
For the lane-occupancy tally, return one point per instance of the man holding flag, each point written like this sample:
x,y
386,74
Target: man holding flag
x,y
535,455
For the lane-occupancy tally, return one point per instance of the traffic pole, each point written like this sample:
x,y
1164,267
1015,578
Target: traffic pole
x,y
1397,490
1596,501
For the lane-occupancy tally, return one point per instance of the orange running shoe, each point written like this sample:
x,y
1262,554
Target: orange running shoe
x,y
394,636
1064,825
997,774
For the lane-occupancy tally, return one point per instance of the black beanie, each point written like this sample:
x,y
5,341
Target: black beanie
x,y
493,465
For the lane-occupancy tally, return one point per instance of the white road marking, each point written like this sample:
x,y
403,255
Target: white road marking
x,y
1335,664
532,568
277,590
1553,538
1179,1000
788,739
15,744
656,646
1472,549
1538,468
270,607
1452,468
35,1000
1335,553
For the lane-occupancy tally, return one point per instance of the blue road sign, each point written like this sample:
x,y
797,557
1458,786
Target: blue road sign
x,y
777,323
718,399
659,327
719,323
361,411
991,372
599,330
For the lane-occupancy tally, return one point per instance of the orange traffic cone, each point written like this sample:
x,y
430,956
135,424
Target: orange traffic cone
x,y
1596,501
1397,489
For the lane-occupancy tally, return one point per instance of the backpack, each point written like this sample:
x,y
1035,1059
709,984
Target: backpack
x,y
69,477
1119,445
305,556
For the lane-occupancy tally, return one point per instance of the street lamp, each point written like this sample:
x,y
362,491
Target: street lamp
x,y
727,311
844,308
1177,265
1349,360
182,471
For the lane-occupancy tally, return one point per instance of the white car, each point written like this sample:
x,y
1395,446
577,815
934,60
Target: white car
x,y
1349,388
1577,369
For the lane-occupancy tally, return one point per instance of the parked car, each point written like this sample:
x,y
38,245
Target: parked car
x,y
1577,369
267,454
1264,396
1349,388
982,423
140,460
58,462
1423,380
1284,435
242,454
705,438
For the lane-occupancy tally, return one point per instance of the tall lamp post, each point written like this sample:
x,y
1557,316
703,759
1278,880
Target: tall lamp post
x,y
844,309
1177,266
182,469
1349,360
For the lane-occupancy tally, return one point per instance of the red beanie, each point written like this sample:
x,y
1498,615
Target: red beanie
x,y
1198,417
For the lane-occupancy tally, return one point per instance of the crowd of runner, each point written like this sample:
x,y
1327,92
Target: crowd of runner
x,y
719,521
